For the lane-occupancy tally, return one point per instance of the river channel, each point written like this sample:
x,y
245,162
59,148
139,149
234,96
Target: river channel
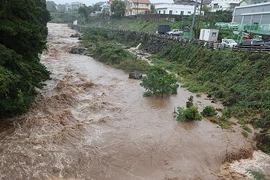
x,y
91,122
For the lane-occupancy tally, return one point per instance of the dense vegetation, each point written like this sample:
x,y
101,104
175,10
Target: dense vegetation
x,y
118,8
105,47
23,37
240,80
209,111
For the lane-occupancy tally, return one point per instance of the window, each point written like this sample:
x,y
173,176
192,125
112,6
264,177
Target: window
x,y
170,12
214,34
189,12
182,12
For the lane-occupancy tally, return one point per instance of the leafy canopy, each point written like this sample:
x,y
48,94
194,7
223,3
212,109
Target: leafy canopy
x,y
23,34
188,114
118,8
159,82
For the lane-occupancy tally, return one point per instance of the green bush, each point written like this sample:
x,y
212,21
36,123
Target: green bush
x,y
188,114
111,54
159,82
134,65
209,111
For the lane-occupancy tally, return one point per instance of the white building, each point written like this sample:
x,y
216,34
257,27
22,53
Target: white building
x,y
254,13
106,8
73,6
249,2
224,5
76,5
175,9
68,7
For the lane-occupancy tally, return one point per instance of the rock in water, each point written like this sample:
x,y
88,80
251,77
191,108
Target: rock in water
x,y
78,50
135,75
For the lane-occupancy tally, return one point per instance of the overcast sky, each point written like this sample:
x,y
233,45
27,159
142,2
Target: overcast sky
x,y
90,2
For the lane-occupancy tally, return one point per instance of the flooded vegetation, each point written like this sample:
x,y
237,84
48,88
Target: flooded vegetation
x,y
92,122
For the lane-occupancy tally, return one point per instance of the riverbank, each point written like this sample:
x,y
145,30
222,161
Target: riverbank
x,y
91,121
174,59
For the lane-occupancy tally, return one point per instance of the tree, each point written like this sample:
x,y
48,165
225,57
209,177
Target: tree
x,y
97,7
83,11
23,37
206,8
51,6
153,8
118,8
159,82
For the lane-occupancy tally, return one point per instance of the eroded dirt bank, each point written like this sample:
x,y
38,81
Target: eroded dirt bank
x,y
91,122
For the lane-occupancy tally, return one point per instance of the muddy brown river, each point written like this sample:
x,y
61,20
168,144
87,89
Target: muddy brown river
x,y
91,122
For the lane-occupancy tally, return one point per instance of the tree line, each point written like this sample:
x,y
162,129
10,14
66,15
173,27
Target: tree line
x,y
23,35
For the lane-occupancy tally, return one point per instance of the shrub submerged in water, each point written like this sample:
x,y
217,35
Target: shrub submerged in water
x,y
188,114
209,111
159,82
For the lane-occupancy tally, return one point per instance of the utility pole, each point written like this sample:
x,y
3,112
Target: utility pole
x,y
193,20
137,8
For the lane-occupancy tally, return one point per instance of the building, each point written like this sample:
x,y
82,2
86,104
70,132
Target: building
x,y
106,8
224,5
254,13
61,7
134,7
249,2
76,5
68,7
253,18
73,6
175,9
186,2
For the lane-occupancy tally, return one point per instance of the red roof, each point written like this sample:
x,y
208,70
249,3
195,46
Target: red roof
x,y
141,1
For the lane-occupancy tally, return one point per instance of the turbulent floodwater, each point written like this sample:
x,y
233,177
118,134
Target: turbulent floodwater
x,y
91,122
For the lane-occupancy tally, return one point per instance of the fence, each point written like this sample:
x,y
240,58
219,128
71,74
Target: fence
x,y
252,48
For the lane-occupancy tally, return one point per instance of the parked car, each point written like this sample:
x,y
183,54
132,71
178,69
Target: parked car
x,y
250,42
175,32
163,29
229,43
267,44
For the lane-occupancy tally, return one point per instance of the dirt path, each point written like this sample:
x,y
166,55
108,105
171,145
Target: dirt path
x,y
92,122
